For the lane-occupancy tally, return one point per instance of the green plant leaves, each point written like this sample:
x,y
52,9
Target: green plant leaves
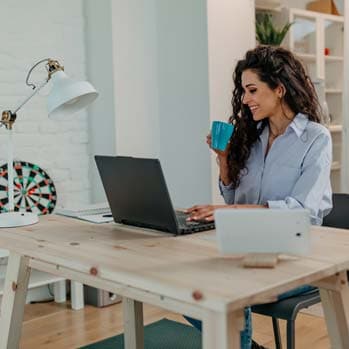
x,y
267,34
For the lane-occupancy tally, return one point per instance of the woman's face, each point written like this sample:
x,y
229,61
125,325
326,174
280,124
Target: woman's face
x,y
259,97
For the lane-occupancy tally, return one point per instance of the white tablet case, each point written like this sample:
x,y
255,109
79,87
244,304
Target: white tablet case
x,y
263,231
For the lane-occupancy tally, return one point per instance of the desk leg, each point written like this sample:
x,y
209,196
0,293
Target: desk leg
x,y
13,301
222,330
59,291
335,301
133,324
77,295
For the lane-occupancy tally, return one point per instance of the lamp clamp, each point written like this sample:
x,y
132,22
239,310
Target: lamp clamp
x,y
53,66
7,119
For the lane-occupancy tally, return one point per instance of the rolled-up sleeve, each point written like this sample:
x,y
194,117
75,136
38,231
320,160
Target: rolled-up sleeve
x,y
313,189
227,192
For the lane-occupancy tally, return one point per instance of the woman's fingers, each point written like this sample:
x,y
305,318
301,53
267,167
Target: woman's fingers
x,y
195,208
209,140
206,212
201,213
209,218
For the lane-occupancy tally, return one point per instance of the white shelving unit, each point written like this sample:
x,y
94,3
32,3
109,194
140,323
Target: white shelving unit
x,y
3,253
37,278
40,278
318,40
268,5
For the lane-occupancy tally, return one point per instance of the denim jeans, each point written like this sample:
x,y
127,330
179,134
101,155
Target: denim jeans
x,y
246,333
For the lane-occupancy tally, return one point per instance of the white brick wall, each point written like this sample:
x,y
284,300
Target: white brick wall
x,y
33,30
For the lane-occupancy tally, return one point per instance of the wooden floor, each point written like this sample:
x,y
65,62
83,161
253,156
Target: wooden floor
x,y
56,326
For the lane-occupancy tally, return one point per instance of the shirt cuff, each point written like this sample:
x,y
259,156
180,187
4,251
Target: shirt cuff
x,y
277,204
224,188
284,204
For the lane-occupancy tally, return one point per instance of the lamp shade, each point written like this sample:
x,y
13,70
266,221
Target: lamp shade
x,y
68,96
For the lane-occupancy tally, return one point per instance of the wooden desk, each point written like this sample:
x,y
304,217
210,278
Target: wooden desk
x,y
183,274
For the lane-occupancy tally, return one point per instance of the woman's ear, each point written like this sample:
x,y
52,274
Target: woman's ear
x,y
281,91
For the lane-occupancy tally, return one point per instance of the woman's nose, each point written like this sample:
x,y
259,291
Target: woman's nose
x,y
245,99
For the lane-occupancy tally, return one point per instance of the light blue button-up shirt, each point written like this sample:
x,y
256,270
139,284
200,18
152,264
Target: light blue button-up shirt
x,y
294,174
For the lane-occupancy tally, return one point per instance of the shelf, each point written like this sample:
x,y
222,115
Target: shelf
x,y
3,253
276,9
313,14
334,58
333,90
335,128
336,166
37,278
306,57
268,5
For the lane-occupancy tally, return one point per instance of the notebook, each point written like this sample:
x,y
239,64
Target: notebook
x,y
94,213
137,194
83,210
263,231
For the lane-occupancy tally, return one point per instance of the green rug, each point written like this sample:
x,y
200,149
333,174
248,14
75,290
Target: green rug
x,y
163,334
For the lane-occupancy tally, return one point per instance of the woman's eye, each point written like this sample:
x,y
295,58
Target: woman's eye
x,y
253,91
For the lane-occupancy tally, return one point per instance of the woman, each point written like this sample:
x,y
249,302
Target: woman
x,y
279,155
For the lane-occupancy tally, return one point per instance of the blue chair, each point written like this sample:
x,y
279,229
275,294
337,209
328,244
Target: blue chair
x,y
287,309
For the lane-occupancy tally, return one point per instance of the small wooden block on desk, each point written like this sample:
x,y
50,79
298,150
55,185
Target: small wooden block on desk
x,y
260,260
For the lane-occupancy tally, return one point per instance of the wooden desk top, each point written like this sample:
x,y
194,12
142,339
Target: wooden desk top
x,y
186,268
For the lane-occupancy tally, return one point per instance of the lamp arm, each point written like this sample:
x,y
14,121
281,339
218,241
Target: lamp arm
x,y
37,89
8,117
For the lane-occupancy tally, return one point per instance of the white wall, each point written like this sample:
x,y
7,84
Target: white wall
x,y
230,34
184,99
33,30
121,46
172,67
99,53
135,77
161,90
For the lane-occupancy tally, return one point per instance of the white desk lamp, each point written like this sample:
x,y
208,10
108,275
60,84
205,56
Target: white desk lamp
x,y
66,97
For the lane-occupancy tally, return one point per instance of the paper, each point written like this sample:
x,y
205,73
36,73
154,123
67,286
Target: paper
x,y
84,210
94,213
97,218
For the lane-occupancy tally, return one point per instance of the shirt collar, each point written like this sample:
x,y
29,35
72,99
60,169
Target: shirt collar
x,y
299,123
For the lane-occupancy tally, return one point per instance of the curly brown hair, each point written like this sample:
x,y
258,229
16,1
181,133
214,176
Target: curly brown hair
x,y
274,66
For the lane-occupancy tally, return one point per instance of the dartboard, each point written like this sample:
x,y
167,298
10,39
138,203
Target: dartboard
x,y
34,190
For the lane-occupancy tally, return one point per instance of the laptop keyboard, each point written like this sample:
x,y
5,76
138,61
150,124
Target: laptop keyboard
x,y
192,226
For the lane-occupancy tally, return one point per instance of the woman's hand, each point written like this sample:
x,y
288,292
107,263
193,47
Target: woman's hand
x,y
203,212
206,212
221,154
222,160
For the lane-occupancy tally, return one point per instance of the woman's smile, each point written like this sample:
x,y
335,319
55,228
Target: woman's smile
x,y
253,108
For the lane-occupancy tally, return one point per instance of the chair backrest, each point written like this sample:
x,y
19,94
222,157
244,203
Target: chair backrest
x,y
339,216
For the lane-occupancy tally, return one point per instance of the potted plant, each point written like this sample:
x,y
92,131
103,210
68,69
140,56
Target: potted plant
x,y
267,34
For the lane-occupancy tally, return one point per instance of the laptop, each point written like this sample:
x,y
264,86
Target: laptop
x,y
137,194
263,231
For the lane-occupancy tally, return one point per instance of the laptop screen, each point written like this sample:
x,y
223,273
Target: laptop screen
x,y
137,192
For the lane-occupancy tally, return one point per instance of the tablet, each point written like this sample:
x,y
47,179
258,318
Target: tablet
x,y
263,231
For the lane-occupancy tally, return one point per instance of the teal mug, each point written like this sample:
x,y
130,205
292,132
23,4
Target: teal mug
x,y
220,134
